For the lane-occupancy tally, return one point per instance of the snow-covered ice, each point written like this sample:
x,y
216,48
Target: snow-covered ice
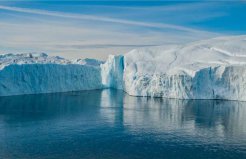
x,y
207,69
40,73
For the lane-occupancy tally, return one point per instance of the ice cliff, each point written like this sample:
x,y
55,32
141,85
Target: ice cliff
x,y
208,69
39,73
112,72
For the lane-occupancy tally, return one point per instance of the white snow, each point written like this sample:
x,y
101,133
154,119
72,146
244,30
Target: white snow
x,y
89,62
208,69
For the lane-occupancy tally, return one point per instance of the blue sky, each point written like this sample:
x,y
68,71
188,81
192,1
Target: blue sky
x,y
94,29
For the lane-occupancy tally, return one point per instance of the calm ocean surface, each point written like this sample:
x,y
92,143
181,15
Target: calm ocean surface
x,y
109,124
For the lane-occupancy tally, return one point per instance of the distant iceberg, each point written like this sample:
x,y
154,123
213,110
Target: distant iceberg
x,y
208,69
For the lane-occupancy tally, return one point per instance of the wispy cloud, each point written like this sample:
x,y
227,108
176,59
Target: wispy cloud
x,y
80,35
96,46
100,18
75,41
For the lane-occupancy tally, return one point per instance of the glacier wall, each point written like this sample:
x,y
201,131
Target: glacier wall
x,y
208,69
112,72
46,78
222,82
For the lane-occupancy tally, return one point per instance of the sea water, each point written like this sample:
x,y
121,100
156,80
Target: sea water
x,y
109,124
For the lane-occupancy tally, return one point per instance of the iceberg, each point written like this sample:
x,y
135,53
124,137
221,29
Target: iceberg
x,y
40,73
207,69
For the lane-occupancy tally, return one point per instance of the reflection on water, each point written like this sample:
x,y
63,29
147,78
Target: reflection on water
x,y
111,124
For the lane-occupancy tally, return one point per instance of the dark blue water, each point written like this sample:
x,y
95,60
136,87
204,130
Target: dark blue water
x,y
110,124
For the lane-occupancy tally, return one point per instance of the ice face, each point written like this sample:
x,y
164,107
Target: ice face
x,y
112,72
208,69
34,73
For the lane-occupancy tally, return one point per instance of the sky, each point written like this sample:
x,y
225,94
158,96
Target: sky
x,y
95,29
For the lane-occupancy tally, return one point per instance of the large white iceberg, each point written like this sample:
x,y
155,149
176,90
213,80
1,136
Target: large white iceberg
x,y
208,69
39,73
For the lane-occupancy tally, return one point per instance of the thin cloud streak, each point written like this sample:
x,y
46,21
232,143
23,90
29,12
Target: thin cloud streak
x,y
103,19
87,34
97,46
56,38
